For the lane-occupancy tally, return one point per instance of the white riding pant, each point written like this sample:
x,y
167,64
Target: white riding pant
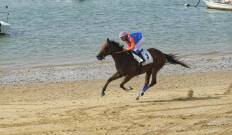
x,y
139,44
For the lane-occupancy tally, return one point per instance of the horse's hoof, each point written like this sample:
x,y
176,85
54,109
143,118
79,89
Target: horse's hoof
x,y
142,94
103,94
137,98
127,89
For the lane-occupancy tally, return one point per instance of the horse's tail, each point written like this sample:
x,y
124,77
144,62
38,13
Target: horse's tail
x,y
171,58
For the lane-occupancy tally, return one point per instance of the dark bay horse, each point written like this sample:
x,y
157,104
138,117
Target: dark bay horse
x,y
128,67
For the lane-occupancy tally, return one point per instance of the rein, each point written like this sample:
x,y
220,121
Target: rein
x,y
121,52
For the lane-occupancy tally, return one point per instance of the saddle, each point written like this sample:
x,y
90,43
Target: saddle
x,y
146,57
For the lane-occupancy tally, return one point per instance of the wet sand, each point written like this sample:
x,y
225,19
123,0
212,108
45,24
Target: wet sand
x,y
76,108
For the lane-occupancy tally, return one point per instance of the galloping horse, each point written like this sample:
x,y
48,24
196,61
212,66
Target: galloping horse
x,y
128,67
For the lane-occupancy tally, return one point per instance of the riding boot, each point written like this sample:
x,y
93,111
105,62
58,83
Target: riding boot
x,y
139,53
142,57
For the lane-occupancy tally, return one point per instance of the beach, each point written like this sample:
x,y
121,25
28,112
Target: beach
x,y
76,107
51,80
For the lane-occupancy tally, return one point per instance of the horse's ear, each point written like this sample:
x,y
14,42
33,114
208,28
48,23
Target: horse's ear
x,y
108,40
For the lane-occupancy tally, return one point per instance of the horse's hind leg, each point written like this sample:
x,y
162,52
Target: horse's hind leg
x,y
126,79
153,80
147,78
113,77
145,87
154,75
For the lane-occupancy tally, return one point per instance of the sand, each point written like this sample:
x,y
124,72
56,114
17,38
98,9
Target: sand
x,y
187,104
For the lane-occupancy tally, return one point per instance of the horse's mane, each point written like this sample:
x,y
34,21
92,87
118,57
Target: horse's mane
x,y
116,44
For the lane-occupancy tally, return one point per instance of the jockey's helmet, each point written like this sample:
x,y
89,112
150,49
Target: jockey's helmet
x,y
122,34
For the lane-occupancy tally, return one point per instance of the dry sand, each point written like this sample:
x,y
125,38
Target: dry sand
x,y
76,108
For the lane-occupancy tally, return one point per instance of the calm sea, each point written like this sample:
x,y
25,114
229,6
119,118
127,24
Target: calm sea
x,y
56,32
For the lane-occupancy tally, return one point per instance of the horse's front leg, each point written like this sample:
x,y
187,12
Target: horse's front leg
x,y
113,77
126,79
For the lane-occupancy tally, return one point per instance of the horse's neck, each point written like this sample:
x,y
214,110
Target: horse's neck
x,y
119,57
122,58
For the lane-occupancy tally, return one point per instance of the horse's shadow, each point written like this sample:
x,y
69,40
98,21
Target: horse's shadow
x,y
183,99
186,99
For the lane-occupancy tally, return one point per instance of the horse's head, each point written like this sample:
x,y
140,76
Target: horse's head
x,y
108,48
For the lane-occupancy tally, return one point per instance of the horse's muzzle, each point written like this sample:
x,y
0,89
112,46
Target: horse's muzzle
x,y
100,57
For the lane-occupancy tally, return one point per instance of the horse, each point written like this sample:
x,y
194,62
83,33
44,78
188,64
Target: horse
x,y
128,67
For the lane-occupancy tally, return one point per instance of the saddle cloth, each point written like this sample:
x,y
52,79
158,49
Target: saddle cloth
x,y
146,56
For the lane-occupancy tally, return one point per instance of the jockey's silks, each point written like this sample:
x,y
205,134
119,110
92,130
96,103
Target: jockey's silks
x,y
134,38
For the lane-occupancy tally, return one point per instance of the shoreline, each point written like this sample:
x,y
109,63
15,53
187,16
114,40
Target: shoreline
x,y
104,69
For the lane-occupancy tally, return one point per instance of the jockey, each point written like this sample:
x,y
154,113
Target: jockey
x,y
134,42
